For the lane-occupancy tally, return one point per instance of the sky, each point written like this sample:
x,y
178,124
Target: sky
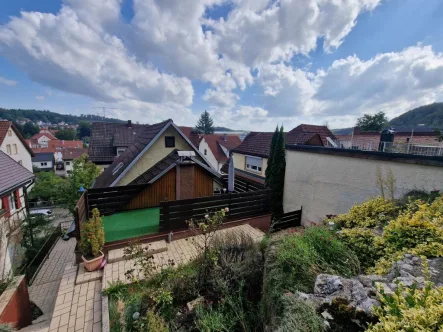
x,y
253,64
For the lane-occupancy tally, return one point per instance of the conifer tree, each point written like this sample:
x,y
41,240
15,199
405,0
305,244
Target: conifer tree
x,y
269,167
205,124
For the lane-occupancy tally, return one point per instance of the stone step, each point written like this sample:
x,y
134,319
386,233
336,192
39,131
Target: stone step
x,y
156,247
84,276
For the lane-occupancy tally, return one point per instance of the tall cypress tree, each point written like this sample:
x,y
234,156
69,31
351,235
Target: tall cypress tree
x,y
269,167
205,124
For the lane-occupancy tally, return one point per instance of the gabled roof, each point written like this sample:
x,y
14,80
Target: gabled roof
x,y
259,143
15,177
48,135
105,137
193,136
122,164
215,142
73,153
4,127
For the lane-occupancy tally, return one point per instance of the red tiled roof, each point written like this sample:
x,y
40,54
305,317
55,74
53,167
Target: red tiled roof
x,y
48,135
193,136
4,126
65,144
214,141
259,143
73,153
43,150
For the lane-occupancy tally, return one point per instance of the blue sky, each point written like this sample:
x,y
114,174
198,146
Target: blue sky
x,y
154,60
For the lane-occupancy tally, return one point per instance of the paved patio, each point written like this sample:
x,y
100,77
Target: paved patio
x,y
44,289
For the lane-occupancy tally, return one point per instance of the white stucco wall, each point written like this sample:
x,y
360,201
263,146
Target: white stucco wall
x,y
37,164
43,141
240,163
209,155
22,154
329,184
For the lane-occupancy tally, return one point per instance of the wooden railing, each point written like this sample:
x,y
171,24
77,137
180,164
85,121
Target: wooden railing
x,y
175,214
242,185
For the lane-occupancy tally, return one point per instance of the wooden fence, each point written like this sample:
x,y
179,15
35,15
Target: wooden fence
x,y
242,185
174,214
289,219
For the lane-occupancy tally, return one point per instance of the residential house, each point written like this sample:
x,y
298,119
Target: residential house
x,y
164,159
216,148
68,156
370,140
43,161
43,137
109,140
58,146
251,156
13,209
14,145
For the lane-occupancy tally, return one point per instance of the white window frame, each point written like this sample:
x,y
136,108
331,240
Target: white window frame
x,y
8,149
254,168
43,164
120,151
15,148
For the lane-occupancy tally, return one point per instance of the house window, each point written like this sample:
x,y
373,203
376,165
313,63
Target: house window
x,y
170,141
68,163
10,132
14,146
120,151
11,202
20,162
206,152
253,163
8,148
43,164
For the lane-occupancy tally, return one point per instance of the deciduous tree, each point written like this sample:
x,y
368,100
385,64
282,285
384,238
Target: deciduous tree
x,y
372,122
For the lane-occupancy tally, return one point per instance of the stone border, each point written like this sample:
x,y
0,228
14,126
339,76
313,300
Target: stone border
x,y
105,314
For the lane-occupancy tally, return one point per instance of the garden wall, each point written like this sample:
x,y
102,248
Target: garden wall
x,y
329,181
15,306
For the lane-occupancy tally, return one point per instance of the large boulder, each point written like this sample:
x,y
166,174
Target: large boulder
x,y
347,304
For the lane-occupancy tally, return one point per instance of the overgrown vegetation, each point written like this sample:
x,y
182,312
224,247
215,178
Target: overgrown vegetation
x,y
92,236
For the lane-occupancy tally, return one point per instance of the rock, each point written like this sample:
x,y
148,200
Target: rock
x,y
326,315
191,305
326,284
369,280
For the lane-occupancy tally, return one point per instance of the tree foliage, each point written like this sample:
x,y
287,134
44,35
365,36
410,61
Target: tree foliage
x,y
84,129
430,115
205,124
66,134
29,129
275,171
372,122
47,187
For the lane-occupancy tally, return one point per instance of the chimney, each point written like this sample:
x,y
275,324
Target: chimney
x,y
224,137
129,123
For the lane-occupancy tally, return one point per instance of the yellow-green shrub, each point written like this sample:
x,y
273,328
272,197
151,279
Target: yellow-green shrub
x,y
372,213
92,235
410,309
365,243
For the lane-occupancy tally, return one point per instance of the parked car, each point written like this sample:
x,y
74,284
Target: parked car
x,y
42,212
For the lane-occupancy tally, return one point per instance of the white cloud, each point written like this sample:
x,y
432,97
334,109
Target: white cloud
x,y
7,82
40,97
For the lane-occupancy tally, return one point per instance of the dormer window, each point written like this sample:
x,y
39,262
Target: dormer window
x,y
120,151
170,141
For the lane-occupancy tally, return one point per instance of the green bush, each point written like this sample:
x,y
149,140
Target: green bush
x,y
299,316
365,243
293,263
372,213
151,322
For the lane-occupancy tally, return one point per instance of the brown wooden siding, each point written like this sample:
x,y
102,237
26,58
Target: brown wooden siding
x,y
203,183
161,190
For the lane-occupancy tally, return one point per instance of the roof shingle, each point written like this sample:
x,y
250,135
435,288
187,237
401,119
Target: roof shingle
x,y
215,142
16,175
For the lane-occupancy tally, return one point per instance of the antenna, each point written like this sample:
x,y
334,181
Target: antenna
x,y
104,110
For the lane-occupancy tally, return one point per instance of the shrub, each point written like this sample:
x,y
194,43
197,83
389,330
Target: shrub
x,y
372,213
299,316
293,263
410,309
92,236
365,243
151,322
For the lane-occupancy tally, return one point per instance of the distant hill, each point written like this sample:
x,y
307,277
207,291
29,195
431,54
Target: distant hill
x,y
428,115
225,129
342,131
48,116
